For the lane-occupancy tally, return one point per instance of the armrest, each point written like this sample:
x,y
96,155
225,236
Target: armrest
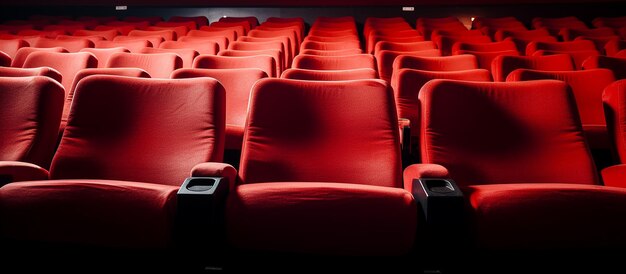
x,y
405,139
614,176
214,169
419,171
13,171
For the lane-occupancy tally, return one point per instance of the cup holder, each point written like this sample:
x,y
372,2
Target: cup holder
x,y
440,186
200,184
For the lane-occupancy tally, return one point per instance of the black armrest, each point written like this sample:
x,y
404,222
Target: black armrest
x,y
200,212
441,200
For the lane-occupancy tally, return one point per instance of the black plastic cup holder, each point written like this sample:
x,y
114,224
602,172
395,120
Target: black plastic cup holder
x,y
439,186
201,184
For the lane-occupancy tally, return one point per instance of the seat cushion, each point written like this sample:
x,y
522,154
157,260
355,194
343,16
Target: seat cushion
x,y
538,216
321,218
89,212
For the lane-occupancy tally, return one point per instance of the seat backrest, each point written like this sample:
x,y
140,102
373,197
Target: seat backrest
x,y
586,85
106,34
314,131
499,133
486,58
187,55
244,25
441,63
70,45
239,29
237,83
167,35
578,56
28,72
276,54
137,129
503,65
407,83
386,58
484,47
222,42
400,46
10,46
230,35
155,40
329,75
22,54
331,52
5,60
265,63
250,19
158,65
570,34
207,47
68,64
612,47
560,46
617,65
179,31
613,102
133,46
103,54
31,111
122,30
334,62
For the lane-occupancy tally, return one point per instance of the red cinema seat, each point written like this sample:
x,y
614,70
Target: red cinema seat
x,y
238,83
239,29
329,75
616,65
179,31
275,54
158,65
93,39
103,54
265,63
22,54
167,35
206,47
31,113
68,64
612,47
29,72
279,46
253,21
571,34
5,60
386,58
128,145
120,29
155,40
501,66
398,46
485,59
74,45
334,62
11,46
440,63
187,55
484,47
331,52
280,194
222,42
613,102
587,87
291,34
230,35
518,153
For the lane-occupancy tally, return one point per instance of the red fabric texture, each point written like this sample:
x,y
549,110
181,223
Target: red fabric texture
x,y
68,64
26,72
321,132
180,123
264,63
486,58
230,34
331,52
334,62
222,42
588,95
614,103
448,41
186,54
23,53
498,133
614,176
207,47
103,54
70,45
578,56
158,65
547,215
418,171
560,46
616,65
612,47
386,59
276,54
106,34
322,218
503,65
133,46
570,34
330,75
484,47
155,40
31,113
213,169
238,83
89,212
407,83
10,46
22,171
443,63
403,46
179,31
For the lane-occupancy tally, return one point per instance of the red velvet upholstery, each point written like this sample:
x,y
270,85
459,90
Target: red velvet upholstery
x,y
588,95
264,63
10,46
207,47
133,46
329,75
578,56
334,62
122,30
291,34
560,46
571,34
484,47
187,55
230,35
443,63
398,46
167,35
78,45
68,64
386,59
501,35
242,28
222,42
103,54
22,54
615,113
158,65
501,66
106,34
155,40
407,83
179,31
307,150
5,60
486,58
31,112
504,132
284,40
26,72
448,41
277,55
70,45
612,47
616,65
238,83
268,45
331,52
